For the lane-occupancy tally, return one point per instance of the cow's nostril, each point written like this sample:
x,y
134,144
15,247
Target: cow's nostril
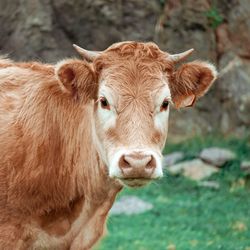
x,y
151,164
123,163
137,161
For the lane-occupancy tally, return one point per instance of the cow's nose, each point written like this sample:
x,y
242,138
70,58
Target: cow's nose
x,y
137,165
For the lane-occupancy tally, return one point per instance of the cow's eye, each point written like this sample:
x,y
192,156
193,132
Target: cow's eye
x,y
164,105
104,103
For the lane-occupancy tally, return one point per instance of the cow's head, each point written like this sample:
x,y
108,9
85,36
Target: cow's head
x,y
132,85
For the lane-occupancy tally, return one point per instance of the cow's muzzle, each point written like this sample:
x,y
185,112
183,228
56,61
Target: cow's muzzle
x,y
137,168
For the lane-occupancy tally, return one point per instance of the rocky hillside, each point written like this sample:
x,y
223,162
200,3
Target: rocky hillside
x,y
218,30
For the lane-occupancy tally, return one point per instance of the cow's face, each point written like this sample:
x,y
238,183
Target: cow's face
x,y
136,85
132,121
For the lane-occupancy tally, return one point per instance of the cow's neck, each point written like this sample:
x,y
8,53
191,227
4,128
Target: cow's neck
x,y
74,189
91,173
60,132
88,172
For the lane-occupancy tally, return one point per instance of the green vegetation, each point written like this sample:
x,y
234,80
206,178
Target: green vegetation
x,y
186,216
214,17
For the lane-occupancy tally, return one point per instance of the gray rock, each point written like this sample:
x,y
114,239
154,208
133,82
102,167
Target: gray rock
x,y
31,30
234,69
217,156
195,169
245,166
172,158
209,184
130,205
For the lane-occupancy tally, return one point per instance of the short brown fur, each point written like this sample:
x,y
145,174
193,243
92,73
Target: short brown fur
x,y
55,191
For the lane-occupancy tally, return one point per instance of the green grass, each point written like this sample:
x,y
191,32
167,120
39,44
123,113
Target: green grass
x,y
186,216
214,17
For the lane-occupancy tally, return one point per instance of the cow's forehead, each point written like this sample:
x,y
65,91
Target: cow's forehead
x,y
133,75
133,85
153,92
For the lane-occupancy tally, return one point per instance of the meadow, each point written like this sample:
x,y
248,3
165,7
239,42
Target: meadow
x,y
186,215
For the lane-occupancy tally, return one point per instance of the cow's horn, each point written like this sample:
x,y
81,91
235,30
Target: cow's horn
x,y
180,56
87,54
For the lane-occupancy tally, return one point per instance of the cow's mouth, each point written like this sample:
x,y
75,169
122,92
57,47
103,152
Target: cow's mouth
x,y
135,182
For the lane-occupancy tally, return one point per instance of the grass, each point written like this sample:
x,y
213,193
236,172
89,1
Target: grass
x,y
214,17
186,216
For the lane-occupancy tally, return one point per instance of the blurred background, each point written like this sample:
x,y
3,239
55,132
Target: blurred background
x,y
185,214
218,30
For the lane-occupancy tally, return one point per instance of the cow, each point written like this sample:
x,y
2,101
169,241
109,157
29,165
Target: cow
x,y
74,133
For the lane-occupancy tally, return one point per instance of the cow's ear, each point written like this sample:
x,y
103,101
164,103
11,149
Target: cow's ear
x,y
76,78
191,81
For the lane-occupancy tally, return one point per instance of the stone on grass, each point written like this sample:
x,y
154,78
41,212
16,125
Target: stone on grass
x,y
172,158
245,166
209,184
130,205
194,169
217,156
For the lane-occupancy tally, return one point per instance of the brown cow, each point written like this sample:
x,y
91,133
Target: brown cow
x,y
73,134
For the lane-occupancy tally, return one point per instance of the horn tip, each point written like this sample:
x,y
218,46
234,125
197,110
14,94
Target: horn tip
x,y
78,48
75,46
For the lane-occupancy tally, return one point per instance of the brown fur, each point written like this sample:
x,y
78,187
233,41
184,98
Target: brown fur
x,y
54,189
42,169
